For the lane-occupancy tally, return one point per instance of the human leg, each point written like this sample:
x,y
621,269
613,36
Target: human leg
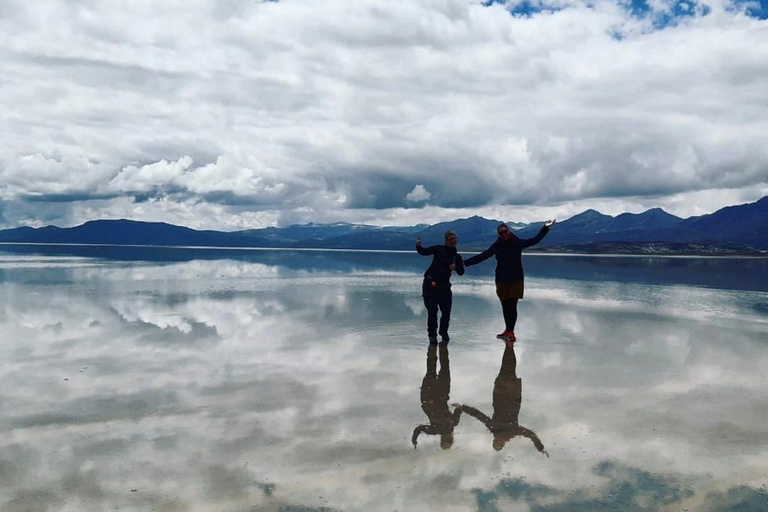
x,y
431,303
445,303
509,308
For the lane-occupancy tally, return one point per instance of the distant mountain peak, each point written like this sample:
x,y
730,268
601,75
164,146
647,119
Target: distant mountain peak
x,y
659,211
589,214
124,222
653,212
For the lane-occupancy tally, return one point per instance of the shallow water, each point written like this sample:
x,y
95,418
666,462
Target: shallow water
x,y
193,380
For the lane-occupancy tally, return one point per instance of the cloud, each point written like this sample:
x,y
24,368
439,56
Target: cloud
x,y
148,177
418,194
268,112
204,416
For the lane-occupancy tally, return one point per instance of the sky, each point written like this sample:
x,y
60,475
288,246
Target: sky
x,y
245,114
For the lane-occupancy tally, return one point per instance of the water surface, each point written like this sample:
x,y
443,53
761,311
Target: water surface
x,y
197,380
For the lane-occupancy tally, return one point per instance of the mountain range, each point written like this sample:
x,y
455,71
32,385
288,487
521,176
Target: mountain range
x,y
734,229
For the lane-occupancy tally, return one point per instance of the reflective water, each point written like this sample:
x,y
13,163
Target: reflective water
x,y
194,380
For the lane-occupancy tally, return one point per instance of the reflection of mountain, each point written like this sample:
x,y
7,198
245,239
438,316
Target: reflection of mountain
x,y
733,229
507,398
738,274
435,393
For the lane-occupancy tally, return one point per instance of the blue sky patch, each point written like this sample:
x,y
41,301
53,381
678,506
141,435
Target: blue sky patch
x,y
640,8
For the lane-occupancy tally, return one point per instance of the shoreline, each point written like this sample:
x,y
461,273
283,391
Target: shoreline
x,y
532,252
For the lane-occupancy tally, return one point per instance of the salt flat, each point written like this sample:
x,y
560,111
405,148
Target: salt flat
x,y
196,381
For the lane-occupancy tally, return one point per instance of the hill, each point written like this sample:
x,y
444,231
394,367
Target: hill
x,y
734,229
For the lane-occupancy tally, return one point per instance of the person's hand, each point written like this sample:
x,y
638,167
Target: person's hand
x,y
418,241
550,223
452,266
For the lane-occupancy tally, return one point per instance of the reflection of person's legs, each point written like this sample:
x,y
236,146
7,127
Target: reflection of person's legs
x,y
446,303
429,383
445,365
507,397
508,364
509,308
430,302
432,361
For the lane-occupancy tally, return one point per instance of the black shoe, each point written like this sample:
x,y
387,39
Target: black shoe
x,y
433,340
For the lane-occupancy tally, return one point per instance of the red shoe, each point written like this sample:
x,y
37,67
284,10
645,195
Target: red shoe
x,y
506,336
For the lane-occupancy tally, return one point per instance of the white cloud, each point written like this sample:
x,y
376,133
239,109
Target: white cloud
x,y
317,107
418,194
149,177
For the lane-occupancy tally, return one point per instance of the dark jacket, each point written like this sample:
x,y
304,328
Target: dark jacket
x,y
509,261
439,270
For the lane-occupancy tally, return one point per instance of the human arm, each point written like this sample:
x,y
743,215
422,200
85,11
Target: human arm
x,y
456,416
530,434
479,258
458,265
478,415
528,242
418,430
428,251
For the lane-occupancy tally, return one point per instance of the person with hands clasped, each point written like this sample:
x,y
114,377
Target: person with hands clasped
x,y
508,250
436,287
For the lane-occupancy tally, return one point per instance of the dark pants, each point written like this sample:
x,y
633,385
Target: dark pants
x,y
438,298
509,308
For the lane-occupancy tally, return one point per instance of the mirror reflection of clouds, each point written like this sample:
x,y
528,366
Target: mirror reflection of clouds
x,y
233,385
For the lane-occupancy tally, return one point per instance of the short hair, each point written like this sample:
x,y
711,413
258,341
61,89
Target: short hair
x,y
502,225
449,233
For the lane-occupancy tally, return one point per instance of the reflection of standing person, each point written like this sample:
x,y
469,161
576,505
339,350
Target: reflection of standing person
x,y
507,397
436,288
435,392
508,250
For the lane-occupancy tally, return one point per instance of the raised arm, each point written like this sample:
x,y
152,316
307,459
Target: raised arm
x,y
528,242
424,251
530,434
478,415
479,258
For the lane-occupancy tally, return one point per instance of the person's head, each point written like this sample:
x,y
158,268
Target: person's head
x,y
451,240
499,441
503,231
446,440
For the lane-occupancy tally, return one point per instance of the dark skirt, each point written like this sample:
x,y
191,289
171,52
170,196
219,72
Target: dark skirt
x,y
510,290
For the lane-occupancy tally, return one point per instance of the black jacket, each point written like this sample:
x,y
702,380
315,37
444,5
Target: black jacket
x,y
509,261
439,270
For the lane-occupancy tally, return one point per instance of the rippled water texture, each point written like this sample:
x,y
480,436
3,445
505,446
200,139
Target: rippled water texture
x,y
193,380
